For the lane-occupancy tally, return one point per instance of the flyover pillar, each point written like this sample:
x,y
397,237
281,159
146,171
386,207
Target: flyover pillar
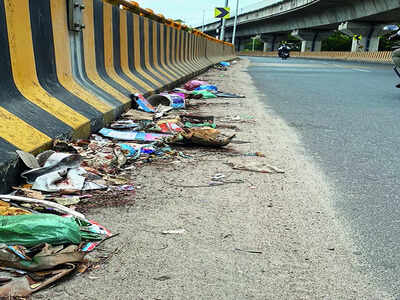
x,y
368,35
268,40
310,40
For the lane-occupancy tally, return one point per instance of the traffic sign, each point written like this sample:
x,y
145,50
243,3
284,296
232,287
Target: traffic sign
x,y
222,12
357,37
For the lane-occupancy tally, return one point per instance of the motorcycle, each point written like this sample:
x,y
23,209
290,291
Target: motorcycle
x,y
284,52
396,53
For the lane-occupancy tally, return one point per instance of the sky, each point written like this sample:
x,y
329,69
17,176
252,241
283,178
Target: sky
x,y
191,11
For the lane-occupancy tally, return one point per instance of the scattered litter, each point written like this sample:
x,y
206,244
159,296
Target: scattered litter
x,y
258,169
174,231
131,135
45,234
205,94
249,251
193,84
228,95
207,87
162,278
142,103
29,160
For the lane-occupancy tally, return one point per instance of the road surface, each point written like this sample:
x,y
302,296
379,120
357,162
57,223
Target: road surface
x,y
348,116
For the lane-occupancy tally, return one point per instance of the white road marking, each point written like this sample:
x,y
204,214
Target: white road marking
x,y
361,70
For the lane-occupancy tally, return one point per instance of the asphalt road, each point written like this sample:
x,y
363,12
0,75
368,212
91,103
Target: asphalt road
x,y
348,116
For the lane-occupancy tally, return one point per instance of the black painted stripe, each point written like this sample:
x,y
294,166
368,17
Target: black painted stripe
x,y
98,16
172,53
12,100
80,75
168,59
186,58
117,50
178,52
159,52
154,64
142,52
43,45
131,52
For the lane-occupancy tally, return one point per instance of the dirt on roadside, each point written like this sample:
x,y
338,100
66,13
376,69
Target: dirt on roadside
x,y
261,235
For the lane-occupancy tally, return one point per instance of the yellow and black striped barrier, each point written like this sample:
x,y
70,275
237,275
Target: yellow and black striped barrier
x,y
57,82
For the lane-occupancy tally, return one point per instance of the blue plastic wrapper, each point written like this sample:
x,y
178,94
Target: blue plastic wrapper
x,y
207,88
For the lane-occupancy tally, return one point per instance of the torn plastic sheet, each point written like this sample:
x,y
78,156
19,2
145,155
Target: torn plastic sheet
x,y
205,94
95,228
58,181
143,104
131,135
177,100
29,160
56,162
124,124
34,229
207,87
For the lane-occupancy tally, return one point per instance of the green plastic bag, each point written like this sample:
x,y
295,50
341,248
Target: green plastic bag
x,y
31,230
206,94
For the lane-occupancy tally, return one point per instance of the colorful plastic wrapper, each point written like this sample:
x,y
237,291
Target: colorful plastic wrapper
x,y
131,135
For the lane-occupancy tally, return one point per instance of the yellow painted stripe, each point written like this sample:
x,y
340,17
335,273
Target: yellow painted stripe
x,y
162,47
146,52
63,60
124,52
90,55
21,134
24,68
137,41
109,49
155,53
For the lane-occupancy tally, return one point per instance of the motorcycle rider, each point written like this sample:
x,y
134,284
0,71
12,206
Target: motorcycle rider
x,y
284,50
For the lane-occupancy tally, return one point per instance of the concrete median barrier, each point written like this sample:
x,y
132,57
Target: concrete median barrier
x,y
58,82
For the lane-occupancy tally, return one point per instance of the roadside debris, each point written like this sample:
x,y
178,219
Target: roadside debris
x,y
258,169
44,237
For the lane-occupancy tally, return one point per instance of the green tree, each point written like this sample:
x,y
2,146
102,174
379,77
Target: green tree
x,y
337,42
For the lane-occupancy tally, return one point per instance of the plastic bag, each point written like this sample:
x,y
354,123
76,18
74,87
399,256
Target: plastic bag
x,y
31,230
207,87
205,94
192,84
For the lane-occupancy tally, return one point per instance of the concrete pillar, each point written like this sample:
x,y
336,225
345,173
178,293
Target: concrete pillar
x,y
268,40
370,35
320,36
310,40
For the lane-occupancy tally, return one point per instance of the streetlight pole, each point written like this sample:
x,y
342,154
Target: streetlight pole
x,y
202,27
223,23
234,26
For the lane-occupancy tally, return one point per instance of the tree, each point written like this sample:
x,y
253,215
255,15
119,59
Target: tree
x,y
337,42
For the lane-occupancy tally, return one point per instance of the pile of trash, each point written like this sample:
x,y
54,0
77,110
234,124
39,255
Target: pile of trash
x,y
43,237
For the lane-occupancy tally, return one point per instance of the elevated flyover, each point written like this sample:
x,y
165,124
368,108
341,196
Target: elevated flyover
x,y
312,21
